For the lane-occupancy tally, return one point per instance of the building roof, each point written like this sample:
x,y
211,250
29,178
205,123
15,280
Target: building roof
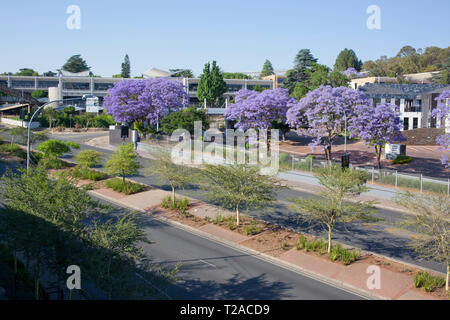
x,y
399,91
156,73
65,73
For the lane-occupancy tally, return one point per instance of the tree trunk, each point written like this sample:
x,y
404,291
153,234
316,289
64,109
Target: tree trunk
x,y
378,152
446,280
237,215
173,195
329,240
328,152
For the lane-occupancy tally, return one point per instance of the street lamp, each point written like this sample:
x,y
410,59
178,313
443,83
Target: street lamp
x,y
345,160
31,121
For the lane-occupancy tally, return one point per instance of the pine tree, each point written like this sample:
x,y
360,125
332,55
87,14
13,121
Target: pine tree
x,y
76,64
267,69
211,85
347,59
126,67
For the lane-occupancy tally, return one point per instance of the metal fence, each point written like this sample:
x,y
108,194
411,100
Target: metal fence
x,y
388,177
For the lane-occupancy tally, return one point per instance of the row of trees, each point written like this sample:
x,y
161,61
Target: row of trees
x,y
321,113
243,187
52,224
410,60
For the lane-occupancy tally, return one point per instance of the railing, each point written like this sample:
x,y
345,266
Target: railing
x,y
387,177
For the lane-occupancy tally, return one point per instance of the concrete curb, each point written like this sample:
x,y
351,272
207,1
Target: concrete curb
x,y
284,264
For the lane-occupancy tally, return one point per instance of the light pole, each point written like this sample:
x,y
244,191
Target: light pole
x,y
31,121
345,136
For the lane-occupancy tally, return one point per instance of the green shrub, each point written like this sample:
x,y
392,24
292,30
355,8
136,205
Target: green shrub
x,y
301,242
8,147
252,229
86,174
180,205
128,187
88,158
53,163
402,159
427,281
285,158
102,121
338,253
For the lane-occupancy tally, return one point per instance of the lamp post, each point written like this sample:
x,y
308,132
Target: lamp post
x,y
31,121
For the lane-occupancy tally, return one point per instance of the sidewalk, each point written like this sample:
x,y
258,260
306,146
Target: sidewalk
x,y
354,277
302,181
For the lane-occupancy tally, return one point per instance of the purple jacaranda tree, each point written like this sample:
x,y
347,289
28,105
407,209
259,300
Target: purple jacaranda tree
x,y
352,73
141,100
443,112
259,110
322,114
377,126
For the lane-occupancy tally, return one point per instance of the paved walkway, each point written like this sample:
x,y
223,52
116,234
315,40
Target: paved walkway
x,y
354,277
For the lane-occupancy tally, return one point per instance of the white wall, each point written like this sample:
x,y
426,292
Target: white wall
x,y
18,123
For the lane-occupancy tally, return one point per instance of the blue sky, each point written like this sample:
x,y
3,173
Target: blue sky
x,y
238,34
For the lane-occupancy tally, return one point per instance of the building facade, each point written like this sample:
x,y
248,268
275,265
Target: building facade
x,y
415,101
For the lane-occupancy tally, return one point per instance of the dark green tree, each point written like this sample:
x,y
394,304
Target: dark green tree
x,y
303,61
235,75
267,69
443,77
211,85
347,59
49,74
75,64
181,73
27,72
126,67
184,119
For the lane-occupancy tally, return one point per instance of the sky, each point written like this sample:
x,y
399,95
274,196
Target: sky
x,y
238,34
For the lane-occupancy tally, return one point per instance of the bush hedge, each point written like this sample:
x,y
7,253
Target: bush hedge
x,y
128,188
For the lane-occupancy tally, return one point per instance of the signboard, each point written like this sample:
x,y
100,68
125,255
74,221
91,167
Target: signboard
x,y
92,104
345,161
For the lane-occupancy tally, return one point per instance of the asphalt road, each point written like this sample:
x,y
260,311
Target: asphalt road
x,y
385,237
211,270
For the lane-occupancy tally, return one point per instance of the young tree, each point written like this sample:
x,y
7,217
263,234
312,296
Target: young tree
x,y
126,67
123,162
432,225
88,158
339,189
239,186
377,126
69,111
52,149
165,169
325,110
211,85
142,100
347,59
50,113
267,69
76,64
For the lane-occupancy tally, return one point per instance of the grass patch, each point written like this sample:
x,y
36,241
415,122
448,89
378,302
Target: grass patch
x,y
252,229
128,187
88,174
401,159
338,253
427,281
178,205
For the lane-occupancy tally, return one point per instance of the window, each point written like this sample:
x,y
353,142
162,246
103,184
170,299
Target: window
x,y
4,83
77,86
415,123
103,86
234,87
193,87
376,101
397,102
22,83
47,84
413,105
405,124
